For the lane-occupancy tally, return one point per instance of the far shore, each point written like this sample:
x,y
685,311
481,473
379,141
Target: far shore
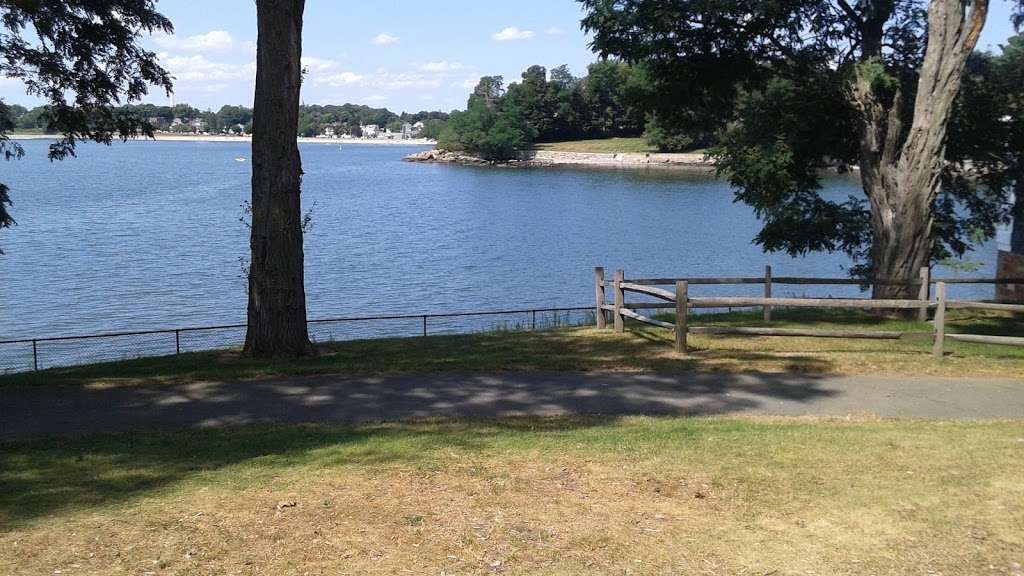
x,y
162,137
550,158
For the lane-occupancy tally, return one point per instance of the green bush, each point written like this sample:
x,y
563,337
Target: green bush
x,y
667,139
486,132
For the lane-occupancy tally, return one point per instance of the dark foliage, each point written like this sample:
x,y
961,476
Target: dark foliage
x,y
83,58
776,78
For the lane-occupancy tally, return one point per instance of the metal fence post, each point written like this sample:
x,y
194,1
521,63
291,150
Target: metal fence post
x,y
424,325
924,293
599,292
177,342
767,292
35,357
533,325
940,319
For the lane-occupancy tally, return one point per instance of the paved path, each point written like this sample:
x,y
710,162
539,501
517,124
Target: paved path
x,y
27,412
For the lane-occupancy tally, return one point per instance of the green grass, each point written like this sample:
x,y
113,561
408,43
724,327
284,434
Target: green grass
x,y
581,349
30,132
606,146
530,496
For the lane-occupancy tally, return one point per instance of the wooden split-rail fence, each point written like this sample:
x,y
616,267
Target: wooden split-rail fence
x,y
678,299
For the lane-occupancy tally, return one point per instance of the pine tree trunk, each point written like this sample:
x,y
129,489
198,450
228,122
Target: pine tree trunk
x,y
277,297
901,167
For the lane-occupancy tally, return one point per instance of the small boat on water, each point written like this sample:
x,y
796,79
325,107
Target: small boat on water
x,y
240,159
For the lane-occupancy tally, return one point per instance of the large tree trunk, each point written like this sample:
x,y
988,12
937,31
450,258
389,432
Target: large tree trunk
x,y
1017,232
901,168
277,296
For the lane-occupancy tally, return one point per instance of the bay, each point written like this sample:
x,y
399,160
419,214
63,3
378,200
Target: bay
x,y
147,235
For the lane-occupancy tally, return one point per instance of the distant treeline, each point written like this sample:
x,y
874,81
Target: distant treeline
x,y
313,119
613,99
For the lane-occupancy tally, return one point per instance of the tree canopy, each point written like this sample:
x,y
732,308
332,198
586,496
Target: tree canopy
x,y
551,106
799,86
83,58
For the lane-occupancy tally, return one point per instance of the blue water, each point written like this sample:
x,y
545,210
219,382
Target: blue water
x,y
147,235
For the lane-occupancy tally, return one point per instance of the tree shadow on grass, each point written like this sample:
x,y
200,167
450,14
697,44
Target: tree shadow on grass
x,y
209,426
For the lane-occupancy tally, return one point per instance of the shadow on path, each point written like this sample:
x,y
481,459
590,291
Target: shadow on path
x,y
37,411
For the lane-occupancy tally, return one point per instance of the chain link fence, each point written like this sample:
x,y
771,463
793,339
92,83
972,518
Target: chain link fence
x,y
25,355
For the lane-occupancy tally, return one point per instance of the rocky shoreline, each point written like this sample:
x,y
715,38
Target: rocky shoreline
x,y
545,158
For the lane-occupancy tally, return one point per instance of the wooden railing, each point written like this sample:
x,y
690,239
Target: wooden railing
x,y
680,300
942,304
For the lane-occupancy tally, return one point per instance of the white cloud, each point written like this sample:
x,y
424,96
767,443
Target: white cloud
x,y
318,65
339,79
384,39
554,31
381,79
469,83
443,66
513,33
398,81
213,41
198,69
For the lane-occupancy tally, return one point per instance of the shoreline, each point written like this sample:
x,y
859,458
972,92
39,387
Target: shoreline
x,y
247,139
550,158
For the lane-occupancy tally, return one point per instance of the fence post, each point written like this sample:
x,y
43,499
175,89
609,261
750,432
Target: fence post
x,y
682,311
924,293
35,357
177,342
940,319
424,325
533,325
767,292
620,301
599,292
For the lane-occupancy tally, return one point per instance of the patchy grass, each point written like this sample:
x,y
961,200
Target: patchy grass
x,y
560,496
583,349
605,145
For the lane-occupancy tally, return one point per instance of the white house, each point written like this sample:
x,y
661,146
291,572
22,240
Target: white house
x,y
370,130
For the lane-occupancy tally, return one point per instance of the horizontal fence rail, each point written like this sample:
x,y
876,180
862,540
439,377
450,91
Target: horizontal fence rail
x,y
942,304
63,351
680,301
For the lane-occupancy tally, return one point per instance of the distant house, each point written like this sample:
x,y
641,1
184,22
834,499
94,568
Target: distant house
x,y
370,131
417,129
329,132
197,124
407,131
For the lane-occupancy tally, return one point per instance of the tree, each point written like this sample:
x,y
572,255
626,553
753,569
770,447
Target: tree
x,y
491,133
82,57
803,85
613,99
1008,70
277,296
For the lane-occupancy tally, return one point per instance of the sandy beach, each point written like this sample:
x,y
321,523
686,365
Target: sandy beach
x,y
162,137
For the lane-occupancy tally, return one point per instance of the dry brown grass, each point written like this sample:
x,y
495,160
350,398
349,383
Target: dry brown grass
x,y
633,496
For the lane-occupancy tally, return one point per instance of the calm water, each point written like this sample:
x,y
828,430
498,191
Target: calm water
x,y
147,235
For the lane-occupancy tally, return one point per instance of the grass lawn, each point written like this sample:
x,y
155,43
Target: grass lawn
x,y
581,349
562,496
605,145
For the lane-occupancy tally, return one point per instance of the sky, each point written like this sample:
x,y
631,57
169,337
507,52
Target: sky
x,y
406,55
